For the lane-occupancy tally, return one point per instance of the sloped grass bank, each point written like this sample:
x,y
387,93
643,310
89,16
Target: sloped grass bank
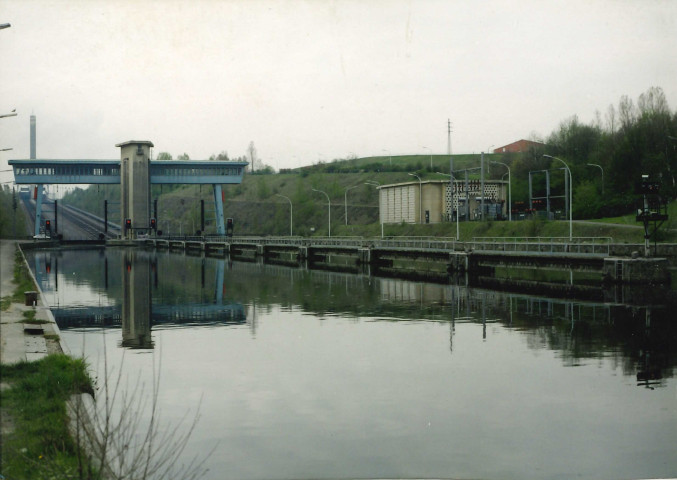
x,y
34,396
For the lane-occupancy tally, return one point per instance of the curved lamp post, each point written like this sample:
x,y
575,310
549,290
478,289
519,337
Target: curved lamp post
x,y
431,157
509,189
374,183
329,203
600,167
389,155
291,215
420,197
451,187
571,205
346,200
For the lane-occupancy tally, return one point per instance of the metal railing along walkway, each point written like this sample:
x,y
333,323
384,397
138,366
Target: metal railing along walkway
x,y
598,246
593,246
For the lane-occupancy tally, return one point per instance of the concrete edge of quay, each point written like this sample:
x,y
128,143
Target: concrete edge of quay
x,y
22,341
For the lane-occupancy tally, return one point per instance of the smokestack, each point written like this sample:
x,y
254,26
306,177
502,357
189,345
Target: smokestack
x,y
33,157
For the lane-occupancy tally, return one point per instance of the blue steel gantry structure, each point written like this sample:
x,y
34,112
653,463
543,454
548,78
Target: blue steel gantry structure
x,y
42,172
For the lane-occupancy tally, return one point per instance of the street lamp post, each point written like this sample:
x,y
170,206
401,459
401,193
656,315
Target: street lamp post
x,y
5,115
346,201
600,167
451,206
291,215
431,157
389,155
329,204
509,189
374,183
420,198
571,205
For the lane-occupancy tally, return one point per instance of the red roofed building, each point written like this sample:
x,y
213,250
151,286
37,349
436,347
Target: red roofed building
x,y
519,146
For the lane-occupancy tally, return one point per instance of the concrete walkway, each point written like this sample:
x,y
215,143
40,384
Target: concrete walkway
x,y
21,341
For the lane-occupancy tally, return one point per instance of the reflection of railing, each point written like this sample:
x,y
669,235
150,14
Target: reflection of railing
x,y
563,245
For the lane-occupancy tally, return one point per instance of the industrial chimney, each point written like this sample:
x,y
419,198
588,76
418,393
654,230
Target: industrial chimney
x,y
33,157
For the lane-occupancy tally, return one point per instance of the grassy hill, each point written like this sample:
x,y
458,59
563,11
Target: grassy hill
x,y
259,208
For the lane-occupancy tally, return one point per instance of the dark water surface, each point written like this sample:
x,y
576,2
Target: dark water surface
x,y
312,374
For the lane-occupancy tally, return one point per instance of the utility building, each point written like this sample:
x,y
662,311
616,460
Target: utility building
x,y
433,201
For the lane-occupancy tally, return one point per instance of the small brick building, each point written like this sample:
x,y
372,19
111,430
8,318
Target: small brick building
x,y
519,146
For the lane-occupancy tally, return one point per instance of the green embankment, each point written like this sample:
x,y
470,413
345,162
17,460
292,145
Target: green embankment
x,y
258,206
40,445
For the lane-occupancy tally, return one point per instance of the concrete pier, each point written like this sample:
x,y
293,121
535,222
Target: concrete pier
x,y
636,271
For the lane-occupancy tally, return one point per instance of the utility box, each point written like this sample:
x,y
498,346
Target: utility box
x,y
30,298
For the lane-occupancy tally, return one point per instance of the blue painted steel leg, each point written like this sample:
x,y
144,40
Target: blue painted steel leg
x,y
38,210
218,205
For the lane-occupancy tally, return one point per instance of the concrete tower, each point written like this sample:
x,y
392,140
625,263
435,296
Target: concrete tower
x,y
135,185
33,157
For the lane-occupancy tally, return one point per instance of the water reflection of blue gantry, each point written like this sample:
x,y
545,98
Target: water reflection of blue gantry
x,y
168,315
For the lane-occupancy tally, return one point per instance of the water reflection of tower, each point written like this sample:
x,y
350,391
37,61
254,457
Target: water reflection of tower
x,y
136,299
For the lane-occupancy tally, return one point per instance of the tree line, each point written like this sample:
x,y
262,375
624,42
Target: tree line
x,y
631,140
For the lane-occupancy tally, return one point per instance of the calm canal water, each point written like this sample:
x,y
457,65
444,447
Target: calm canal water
x,y
313,374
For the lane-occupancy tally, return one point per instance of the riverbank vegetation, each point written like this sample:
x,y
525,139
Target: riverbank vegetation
x,y
35,396
12,218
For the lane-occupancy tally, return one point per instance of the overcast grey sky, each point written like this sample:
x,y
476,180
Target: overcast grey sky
x,y
317,80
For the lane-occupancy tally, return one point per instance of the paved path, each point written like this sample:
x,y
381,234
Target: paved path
x,y
20,341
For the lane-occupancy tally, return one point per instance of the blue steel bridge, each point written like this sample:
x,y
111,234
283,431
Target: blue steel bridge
x,y
42,172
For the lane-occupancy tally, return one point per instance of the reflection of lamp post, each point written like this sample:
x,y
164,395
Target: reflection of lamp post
x,y
431,157
571,206
376,184
509,190
329,203
420,198
600,167
291,215
346,200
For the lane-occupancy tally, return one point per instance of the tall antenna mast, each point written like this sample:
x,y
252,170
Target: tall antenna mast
x,y
448,136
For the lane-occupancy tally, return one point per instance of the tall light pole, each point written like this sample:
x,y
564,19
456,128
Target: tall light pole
x,y
431,157
329,203
600,167
291,215
451,186
346,200
420,198
389,155
374,183
509,189
571,205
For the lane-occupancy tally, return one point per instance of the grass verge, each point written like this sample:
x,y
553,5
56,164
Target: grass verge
x,y
40,445
22,279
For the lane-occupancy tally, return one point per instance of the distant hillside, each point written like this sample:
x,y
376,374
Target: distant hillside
x,y
259,208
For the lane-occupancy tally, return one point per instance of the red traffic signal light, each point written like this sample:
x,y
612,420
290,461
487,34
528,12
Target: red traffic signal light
x,y
128,223
48,225
153,223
